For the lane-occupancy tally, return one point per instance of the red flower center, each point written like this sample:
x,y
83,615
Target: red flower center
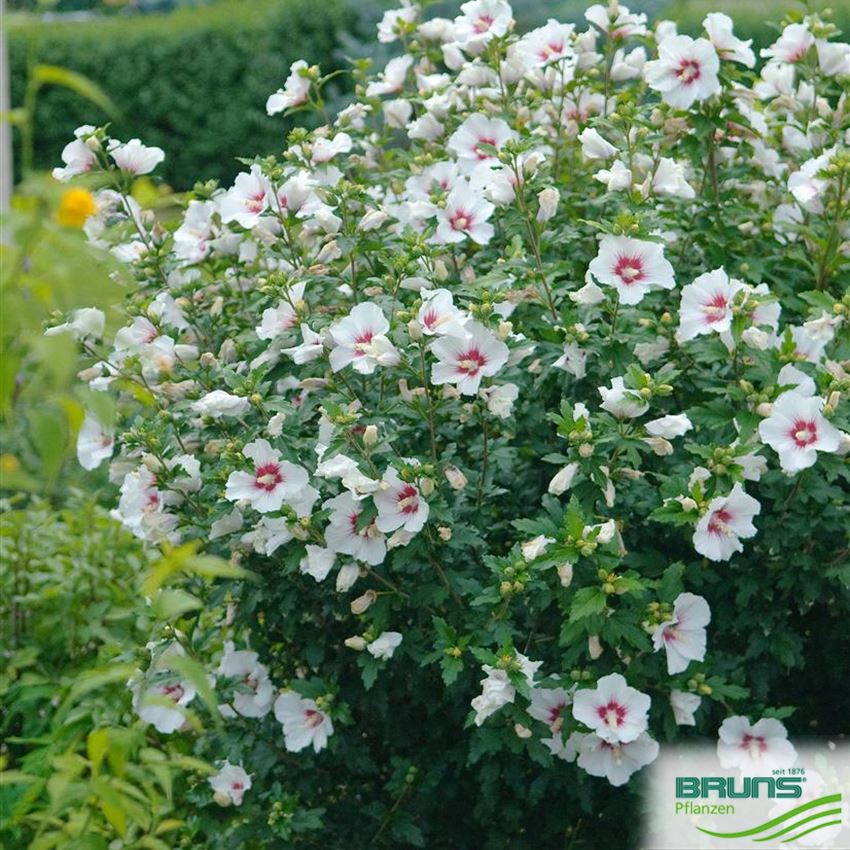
x,y
408,499
804,433
268,476
719,522
750,741
550,50
314,718
460,220
629,269
173,692
612,714
471,361
483,24
715,309
483,141
689,71
361,342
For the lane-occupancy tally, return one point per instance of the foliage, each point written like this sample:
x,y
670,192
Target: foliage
x,y
47,267
78,767
438,520
206,73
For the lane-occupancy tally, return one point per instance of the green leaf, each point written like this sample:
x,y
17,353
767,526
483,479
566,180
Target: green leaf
x,y
197,675
97,745
587,602
55,75
171,603
16,777
671,582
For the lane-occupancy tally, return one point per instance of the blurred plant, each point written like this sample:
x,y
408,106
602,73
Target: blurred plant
x,y
78,767
47,265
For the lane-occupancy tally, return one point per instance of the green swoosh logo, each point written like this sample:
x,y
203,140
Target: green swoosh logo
x,y
821,801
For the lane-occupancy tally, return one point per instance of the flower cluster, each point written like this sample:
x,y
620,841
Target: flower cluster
x,y
614,249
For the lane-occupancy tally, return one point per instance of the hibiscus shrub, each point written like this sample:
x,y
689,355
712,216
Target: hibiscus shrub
x,y
519,391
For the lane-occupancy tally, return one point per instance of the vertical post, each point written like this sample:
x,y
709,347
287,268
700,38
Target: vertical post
x,y
6,166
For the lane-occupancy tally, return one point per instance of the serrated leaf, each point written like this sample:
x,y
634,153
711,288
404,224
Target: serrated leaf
x,y
587,602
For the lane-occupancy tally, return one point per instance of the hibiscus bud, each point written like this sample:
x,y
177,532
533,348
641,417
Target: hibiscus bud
x,y
688,504
594,647
89,374
834,400
330,251
764,409
414,330
426,485
445,533
563,479
441,271
609,588
467,274
217,306
548,200
585,450
505,588
207,360
522,731
704,689
299,532
227,352
532,162
535,367
370,435
659,445
357,643
505,330
372,220
457,480
152,463
565,574
364,602
222,799
275,426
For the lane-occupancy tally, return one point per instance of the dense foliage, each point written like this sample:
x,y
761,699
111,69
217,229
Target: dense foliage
x,y
206,72
513,404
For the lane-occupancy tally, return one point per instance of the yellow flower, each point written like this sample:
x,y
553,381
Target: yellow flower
x,y
9,463
75,207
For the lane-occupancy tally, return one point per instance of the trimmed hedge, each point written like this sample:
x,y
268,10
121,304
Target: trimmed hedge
x,y
194,82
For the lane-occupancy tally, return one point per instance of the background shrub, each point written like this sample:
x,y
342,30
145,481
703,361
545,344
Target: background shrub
x,y
194,82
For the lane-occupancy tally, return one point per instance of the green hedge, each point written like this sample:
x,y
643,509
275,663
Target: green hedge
x,y
194,82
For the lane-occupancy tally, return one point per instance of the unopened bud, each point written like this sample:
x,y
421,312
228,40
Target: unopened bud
x,y
330,251
457,480
364,602
357,643
370,435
